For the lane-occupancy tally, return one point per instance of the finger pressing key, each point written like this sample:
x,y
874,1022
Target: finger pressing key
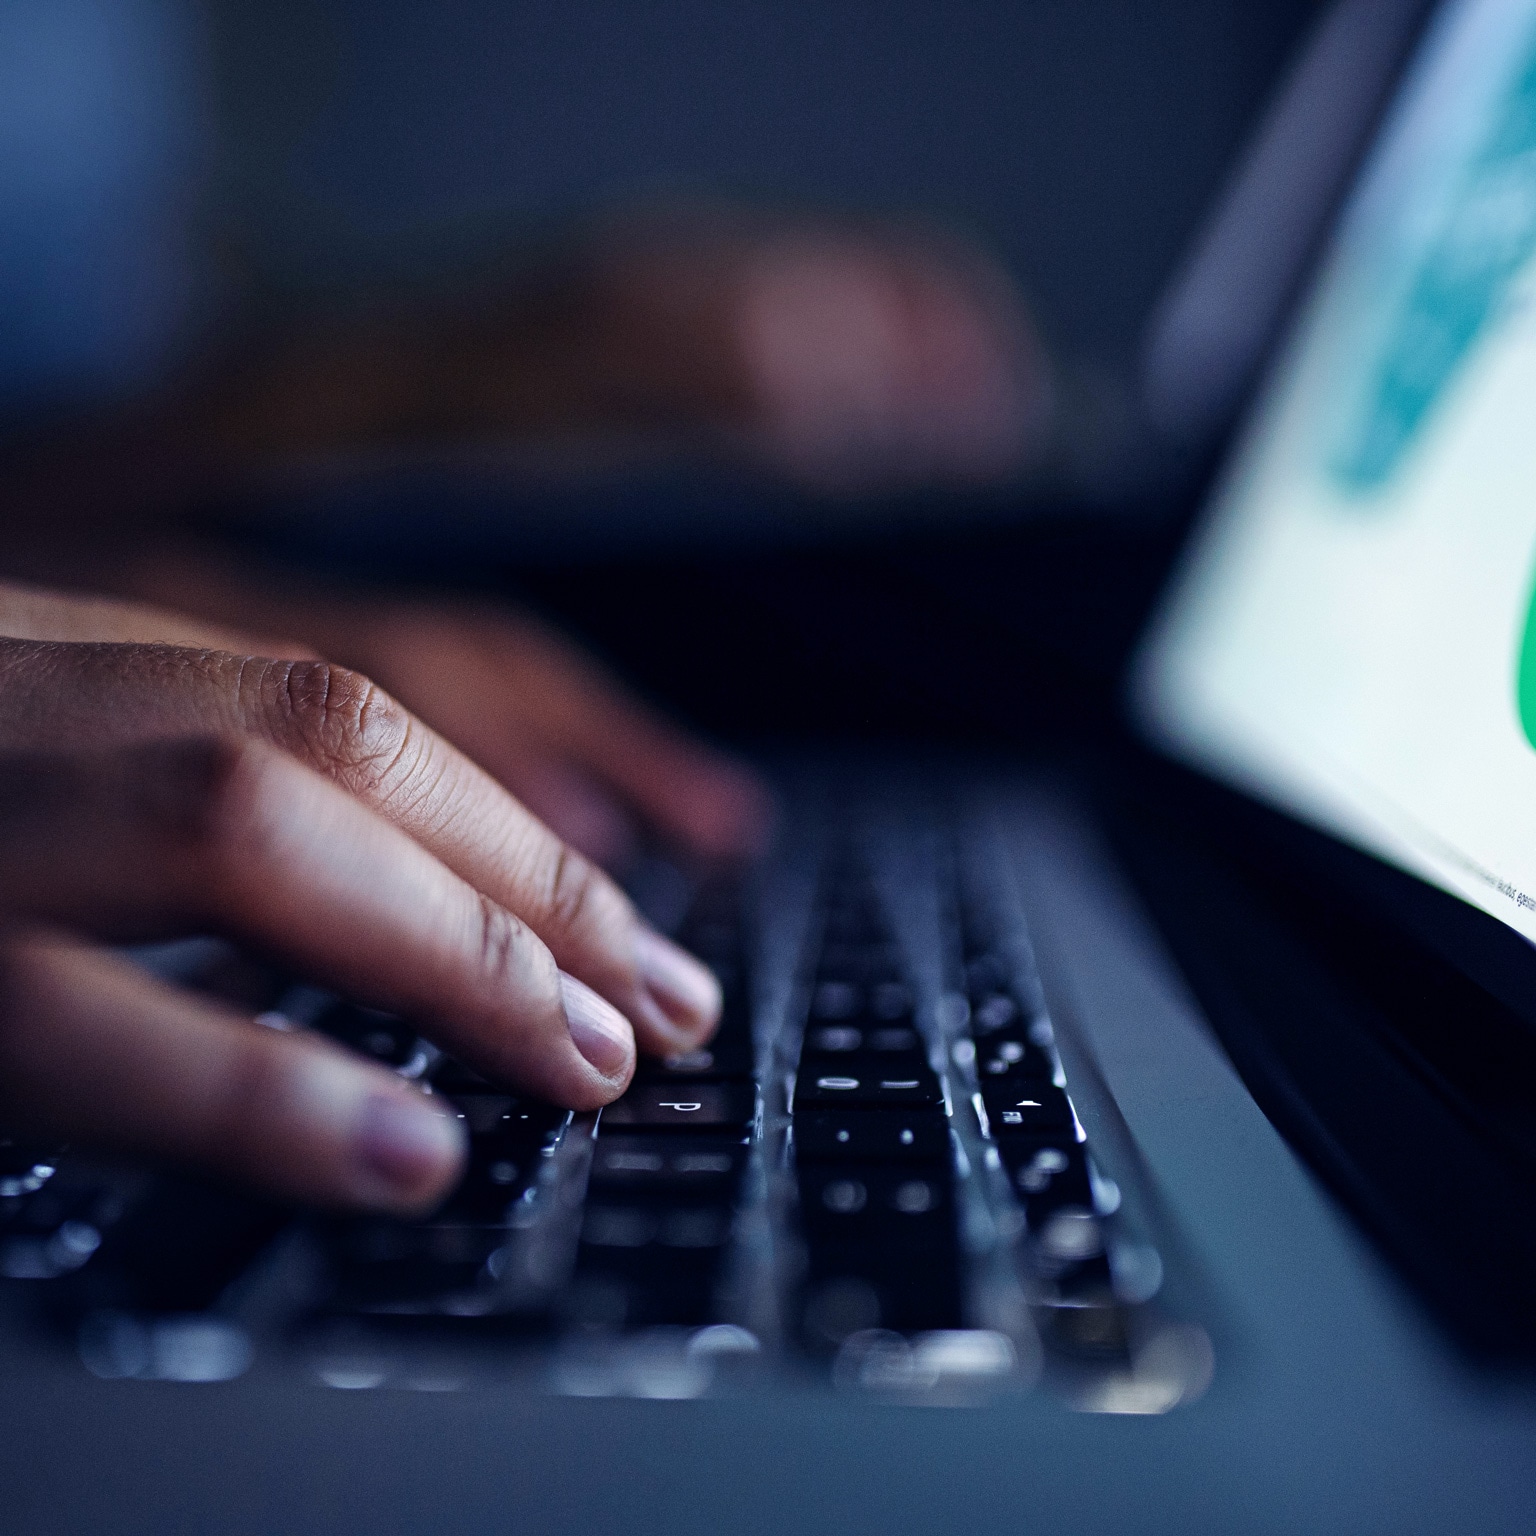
x,y
350,732
241,839
96,1051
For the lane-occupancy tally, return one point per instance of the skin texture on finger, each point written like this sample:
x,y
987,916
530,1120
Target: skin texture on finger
x,y
74,697
568,801
95,1051
565,737
39,613
239,838
491,680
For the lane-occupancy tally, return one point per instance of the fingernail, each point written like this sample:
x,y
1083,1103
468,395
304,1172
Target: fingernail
x,y
601,1033
402,1140
685,990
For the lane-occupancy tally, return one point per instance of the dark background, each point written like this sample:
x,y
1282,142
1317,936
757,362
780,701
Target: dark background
x,y
1081,138
163,164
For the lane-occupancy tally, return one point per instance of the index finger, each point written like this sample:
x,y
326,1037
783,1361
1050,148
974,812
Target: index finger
x,y
239,838
350,731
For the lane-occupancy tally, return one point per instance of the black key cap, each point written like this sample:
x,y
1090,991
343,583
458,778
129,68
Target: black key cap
x,y
866,1066
57,1227
25,1166
668,1167
869,1135
508,1140
877,1090
409,1265
865,1037
639,1225
179,1248
382,1036
876,1200
986,973
689,1107
859,965
1013,1059
495,1180
721,1058
881,1250
497,1117
1015,1109
654,1284
994,1011
451,1076
872,1003
1046,1174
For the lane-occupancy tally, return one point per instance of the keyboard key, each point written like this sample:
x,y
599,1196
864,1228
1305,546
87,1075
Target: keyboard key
x,y
994,1011
873,1002
887,1201
451,1076
1046,1174
668,1167
882,1042
721,1058
637,1226
867,1062
410,1266
181,1246
509,1138
502,1116
876,1090
25,1167
881,1250
494,1181
1022,1110
1013,1059
871,1135
1068,1235
986,973
859,965
382,1036
691,1107
645,1286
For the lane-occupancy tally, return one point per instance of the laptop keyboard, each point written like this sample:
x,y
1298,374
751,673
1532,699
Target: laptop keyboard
x,y
873,1174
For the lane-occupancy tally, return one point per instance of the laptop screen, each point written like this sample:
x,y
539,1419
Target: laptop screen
x,y
1353,634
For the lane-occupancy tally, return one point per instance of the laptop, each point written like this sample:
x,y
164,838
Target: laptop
x,y
1138,1137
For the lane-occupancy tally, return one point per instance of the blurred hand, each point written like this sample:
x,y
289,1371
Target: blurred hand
x,y
846,356
149,791
562,735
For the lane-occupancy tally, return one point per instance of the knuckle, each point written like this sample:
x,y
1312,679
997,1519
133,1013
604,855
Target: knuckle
x,y
500,939
578,896
338,721
574,892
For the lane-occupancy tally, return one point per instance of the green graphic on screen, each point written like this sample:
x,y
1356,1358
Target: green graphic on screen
x,y
1526,682
1484,237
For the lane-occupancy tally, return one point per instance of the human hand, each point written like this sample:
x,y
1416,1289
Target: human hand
x,y
586,756
848,356
149,791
